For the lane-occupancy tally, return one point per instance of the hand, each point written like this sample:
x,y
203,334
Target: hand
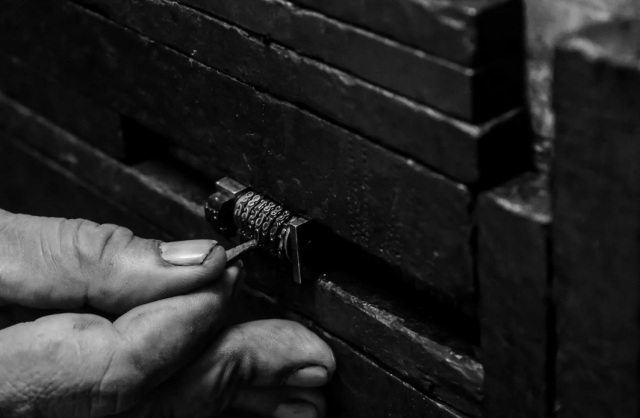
x,y
165,355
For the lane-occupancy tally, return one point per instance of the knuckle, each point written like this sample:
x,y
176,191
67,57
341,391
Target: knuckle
x,y
98,248
98,244
118,390
284,331
123,384
146,363
113,386
66,359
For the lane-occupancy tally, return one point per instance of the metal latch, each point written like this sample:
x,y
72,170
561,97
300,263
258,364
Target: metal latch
x,y
235,210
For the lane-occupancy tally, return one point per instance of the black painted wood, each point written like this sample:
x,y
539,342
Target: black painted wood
x,y
424,350
470,33
471,94
76,112
596,222
469,153
434,360
361,388
513,271
393,207
35,185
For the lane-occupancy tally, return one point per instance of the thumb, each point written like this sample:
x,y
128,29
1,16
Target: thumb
x,y
53,263
78,365
271,368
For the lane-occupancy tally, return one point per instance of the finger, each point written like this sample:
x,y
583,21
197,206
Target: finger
x,y
262,354
169,328
15,314
52,263
272,352
284,402
83,365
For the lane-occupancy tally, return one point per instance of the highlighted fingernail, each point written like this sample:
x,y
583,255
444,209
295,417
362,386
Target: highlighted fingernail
x,y
309,377
295,410
187,253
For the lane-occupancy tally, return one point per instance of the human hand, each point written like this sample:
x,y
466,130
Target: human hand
x,y
166,354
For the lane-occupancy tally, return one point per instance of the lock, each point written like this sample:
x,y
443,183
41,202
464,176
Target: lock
x,y
235,210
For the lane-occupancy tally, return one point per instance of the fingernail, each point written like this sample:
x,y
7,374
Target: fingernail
x,y
187,253
309,377
295,410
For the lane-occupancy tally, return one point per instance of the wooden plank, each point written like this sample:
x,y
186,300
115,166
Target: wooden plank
x,y
422,349
354,366
68,108
468,33
184,208
159,195
513,272
363,389
469,153
35,185
360,388
391,206
433,359
475,95
595,221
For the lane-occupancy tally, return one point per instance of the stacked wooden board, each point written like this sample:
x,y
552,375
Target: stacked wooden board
x,y
398,125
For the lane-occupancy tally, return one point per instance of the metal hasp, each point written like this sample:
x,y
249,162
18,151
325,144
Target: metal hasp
x,y
236,210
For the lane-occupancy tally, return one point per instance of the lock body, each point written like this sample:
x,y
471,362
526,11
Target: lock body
x,y
237,211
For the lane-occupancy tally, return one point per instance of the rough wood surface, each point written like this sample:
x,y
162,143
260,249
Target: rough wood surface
x,y
471,94
470,33
68,108
33,184
469,153
361,388
513,271
424,350
433,359
391,206
595,221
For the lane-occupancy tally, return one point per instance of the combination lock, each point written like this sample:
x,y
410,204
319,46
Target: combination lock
x,y
236,210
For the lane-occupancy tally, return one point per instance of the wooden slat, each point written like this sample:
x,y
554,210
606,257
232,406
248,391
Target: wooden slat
x,y
389,205
363,389
596,221
433,359
475,95
423,349
34,185
68,108
372,401
469,33
360,388
513,272
466,152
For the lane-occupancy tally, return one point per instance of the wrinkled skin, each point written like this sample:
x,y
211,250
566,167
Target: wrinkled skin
x,y
94,323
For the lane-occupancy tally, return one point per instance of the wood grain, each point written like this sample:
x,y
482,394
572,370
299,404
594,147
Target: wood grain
x,y
468,33
471,94
389,205
65,106
435,359
470,153
596,224
513,272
